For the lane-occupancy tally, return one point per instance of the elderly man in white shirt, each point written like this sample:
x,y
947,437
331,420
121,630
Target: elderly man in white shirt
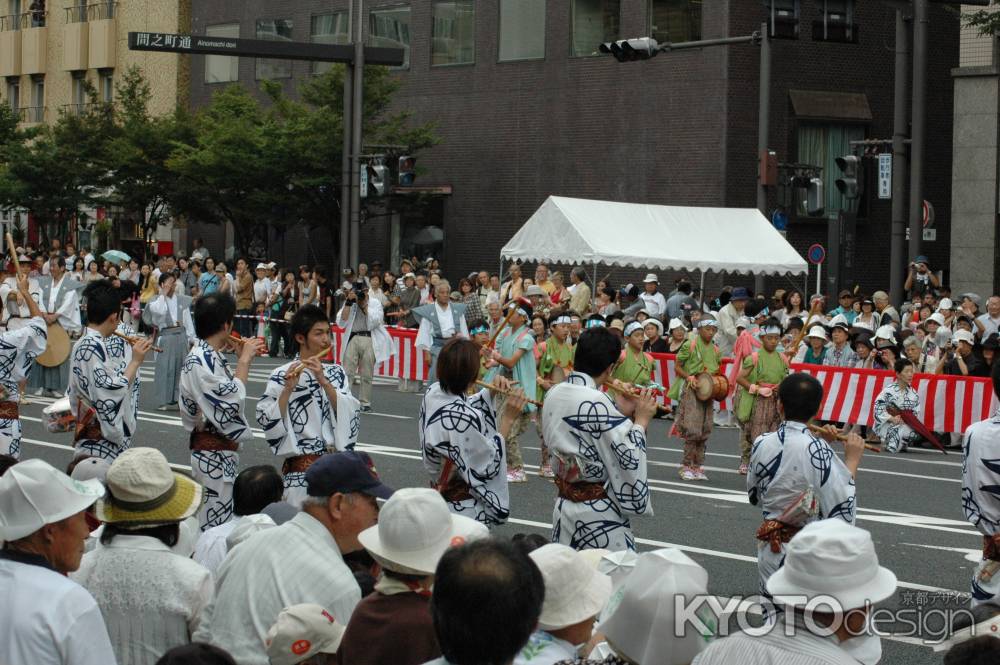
x,y
991,319
47,618
300,561
439,322
833,563
653,300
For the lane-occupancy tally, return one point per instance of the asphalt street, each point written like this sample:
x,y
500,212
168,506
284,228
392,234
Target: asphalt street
x,y
910,502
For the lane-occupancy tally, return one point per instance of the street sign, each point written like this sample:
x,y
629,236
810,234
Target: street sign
x,y
885,176
928,214
816,254
166,42
364,181
930,235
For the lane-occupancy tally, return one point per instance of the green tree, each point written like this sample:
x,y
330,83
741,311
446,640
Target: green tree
x,y
986,20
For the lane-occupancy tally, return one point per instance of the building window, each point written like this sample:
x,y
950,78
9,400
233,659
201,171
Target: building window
x,y
38,92
14,93
106,82
453,39
328,29
222,68
391,28
13,18
593,22
820,145
79,89
675,20
522,30
277,30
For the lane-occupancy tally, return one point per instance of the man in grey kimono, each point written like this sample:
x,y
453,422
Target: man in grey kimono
x,y
170,314
60,305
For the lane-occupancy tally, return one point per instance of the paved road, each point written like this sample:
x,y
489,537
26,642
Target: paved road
x,y
910,503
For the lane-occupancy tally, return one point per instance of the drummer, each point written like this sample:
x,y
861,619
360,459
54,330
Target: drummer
x,y
634,366
757,399
18,347
555,362
694,417
61,306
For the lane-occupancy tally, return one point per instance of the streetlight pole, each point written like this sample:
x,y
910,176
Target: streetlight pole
x,y
356,118
763,123
345,163
899,160
919,125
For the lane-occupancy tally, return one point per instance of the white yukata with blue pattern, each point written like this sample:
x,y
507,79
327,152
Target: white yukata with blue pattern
x,y
463,428
783,465
981,499
593,442
895,438
18,350
310,425
212,400
97,378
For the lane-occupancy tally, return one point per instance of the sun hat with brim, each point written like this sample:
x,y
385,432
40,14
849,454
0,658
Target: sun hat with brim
x,y
674,324
818,332
834,559
574,590
534,290
414,531
642,622
935,318
302,631
963,336
144,491
653,321
33,493
617,324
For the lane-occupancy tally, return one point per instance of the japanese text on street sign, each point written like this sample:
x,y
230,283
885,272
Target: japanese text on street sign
x,y
171,41
885,176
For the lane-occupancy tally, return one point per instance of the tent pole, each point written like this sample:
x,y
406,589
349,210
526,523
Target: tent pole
x,y
701,291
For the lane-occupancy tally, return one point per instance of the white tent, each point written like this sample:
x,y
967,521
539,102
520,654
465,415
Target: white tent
x,y
584,231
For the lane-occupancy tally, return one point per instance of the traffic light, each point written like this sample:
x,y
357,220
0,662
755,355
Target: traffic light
x,y
815,197
849,182
378,179
407,170
627,50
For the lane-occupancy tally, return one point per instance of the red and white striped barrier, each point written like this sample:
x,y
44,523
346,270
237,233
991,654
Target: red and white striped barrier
x,y
947,403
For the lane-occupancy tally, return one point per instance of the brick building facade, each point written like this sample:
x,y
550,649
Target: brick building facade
x,y
680,129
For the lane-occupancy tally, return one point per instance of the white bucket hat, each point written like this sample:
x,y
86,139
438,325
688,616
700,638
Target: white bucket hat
x,y
831,558
651,277
415,529
302,631
743,322
674,324
945,304
963,336
936,318
574,590
92,468
33,493
886,332
641,625
818,332
839,321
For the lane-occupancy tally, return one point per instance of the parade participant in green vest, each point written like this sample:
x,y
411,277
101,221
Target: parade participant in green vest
x,y
757,395
634,367
693,422
555,362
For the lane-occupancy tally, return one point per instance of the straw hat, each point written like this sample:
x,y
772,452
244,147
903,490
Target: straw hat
x,y
144,491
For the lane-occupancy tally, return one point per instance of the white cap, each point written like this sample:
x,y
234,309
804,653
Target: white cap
x,y
33,493
945,304
415,529
636,325
886,332
302,631
831,558
651,277
409,275
91,468
937,318
574,590
641,626
261,266
743,322
818,332
839,321
674,324
963,336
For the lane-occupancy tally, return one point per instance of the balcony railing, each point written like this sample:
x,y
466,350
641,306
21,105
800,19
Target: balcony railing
x,y
98,11
84,109
32,114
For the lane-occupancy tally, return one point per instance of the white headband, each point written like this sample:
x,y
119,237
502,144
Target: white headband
x,y
564,319
708,322
632,327
771,330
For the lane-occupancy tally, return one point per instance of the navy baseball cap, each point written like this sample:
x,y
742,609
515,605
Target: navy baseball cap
x,y
345,472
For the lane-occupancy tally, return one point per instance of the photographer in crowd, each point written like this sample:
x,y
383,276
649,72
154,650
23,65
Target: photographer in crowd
x,y
368,342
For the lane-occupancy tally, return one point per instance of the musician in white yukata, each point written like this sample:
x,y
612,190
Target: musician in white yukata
x,y
795,478
599,453
16,313
313,414
18,349
463,448
60,302
170,314
897,396
212,399
104,380
981,498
